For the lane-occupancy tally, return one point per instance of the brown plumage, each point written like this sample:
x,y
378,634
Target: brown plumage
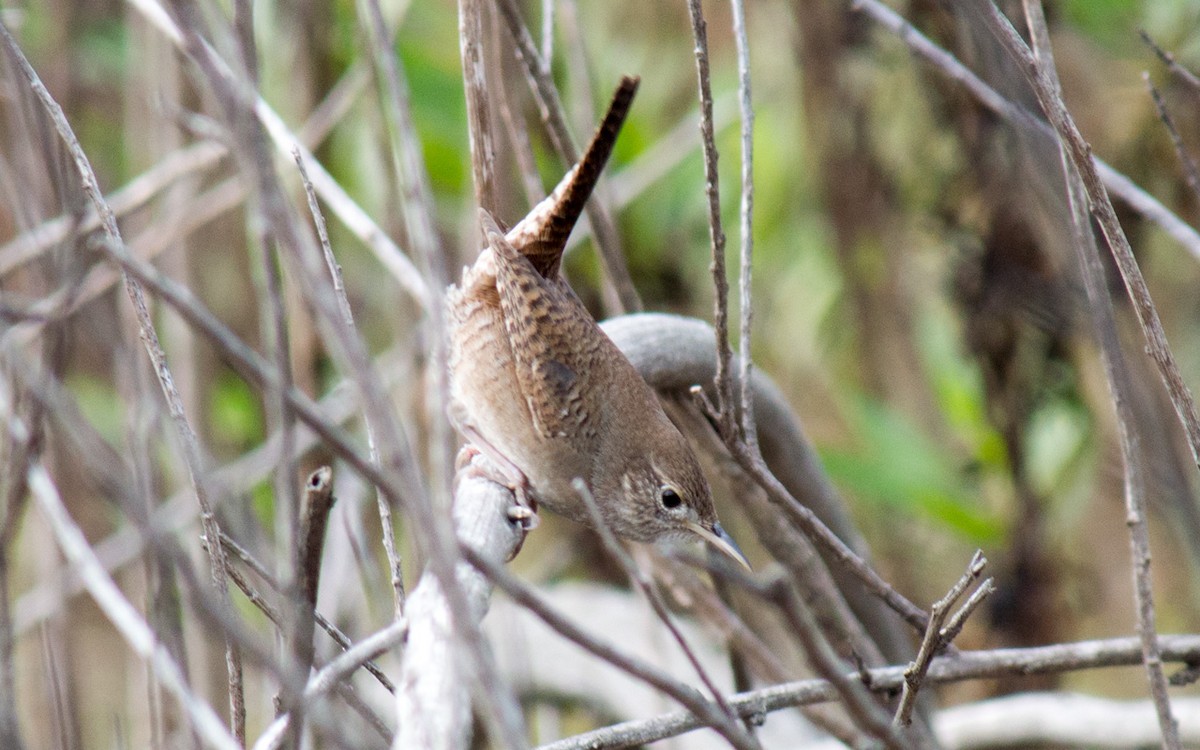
x,y
544,393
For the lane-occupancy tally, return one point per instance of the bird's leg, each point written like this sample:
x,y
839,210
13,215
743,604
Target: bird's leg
x,y
480,458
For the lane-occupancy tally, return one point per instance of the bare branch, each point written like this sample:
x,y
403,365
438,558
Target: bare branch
x,y
191,445
1055,659
339,290
745,273
944,62
433,706
1190,171
1080,172
120,612
724,385
730,730
936,638
537,71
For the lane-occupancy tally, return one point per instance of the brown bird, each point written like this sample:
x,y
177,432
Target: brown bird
x,y
543,393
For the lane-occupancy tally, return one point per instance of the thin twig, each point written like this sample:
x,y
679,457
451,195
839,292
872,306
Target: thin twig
x,y
192,452
859,704
475,85
537,71
1190,171
746,107
944,62
302,598
1056,659
341,639
645,587
108,468
936,638
318,502
723,381
417,207
1185,75
121,613
705,712
807,521
338,669
1077,160
296,633
388,532
343,206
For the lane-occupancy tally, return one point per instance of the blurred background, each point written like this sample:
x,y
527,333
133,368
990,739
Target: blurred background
x,y
915,294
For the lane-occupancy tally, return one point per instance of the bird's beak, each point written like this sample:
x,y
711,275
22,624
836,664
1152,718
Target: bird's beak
x,y
719,539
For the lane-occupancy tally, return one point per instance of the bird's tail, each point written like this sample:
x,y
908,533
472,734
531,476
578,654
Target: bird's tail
x,y
542,235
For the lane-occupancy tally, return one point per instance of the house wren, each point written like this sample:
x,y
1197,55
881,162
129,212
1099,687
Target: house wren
x,y
540,390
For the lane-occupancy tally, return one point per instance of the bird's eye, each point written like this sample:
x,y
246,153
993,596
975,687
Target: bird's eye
x,y
670,499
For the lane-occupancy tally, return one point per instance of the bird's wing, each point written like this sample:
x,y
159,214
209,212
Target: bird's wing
x,y
555,342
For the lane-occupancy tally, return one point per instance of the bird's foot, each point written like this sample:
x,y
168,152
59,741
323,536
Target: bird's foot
x,y
479,462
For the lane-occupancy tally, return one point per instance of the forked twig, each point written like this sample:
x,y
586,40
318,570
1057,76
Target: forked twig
x,y
938,637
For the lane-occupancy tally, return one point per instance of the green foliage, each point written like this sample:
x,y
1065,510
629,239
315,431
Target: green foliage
x,y
234,415
100,405
893,466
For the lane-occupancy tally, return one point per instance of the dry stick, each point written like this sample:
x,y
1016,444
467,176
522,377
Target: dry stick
x,y
345,690
646,337
665,154
260,570
1172,64
256,369
249,363
537,72
418,210
500,706
518,136
350,213
136,193
724,385
331,675
859,704
936,637
711,609
119,611
959,619
434,528
547,30
523,594
20,450
745,105
781,592
944,62
192,453
475,86
645,588
807,521
176,166
318,501
105,464
238,476
578,69
1077,154
1190,171
301,600
791,548
395,565
296,624
1056,659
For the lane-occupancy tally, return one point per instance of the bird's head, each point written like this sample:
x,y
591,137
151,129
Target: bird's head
x,y
663,496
